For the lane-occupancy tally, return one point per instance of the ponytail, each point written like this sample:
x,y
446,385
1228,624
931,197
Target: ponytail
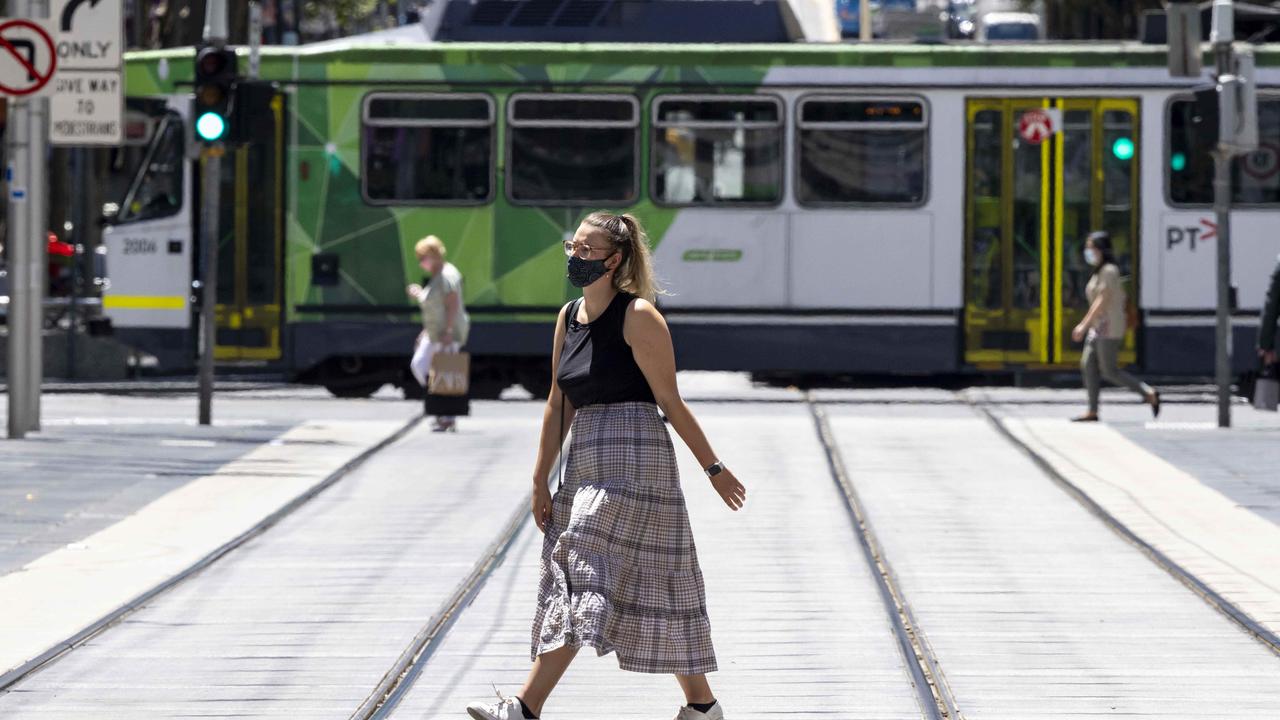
x,y
635,273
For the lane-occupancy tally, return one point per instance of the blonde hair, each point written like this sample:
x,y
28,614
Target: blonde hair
x,y
635,273
429,245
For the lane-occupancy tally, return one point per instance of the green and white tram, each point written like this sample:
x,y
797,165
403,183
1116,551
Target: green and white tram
x,y
903,209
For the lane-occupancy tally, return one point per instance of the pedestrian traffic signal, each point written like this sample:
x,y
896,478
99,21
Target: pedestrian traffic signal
x,y
1122,148
215,79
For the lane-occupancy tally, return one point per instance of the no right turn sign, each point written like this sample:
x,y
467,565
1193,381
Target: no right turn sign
x,y
27,58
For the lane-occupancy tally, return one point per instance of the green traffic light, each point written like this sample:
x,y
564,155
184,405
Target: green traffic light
x,y
211,126
1122,148
1178,161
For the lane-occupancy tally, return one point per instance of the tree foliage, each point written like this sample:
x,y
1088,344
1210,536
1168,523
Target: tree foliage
x,y
1092,19
175,23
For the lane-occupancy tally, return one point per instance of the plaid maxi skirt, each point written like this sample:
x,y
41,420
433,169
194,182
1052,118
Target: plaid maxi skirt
x,y
619,568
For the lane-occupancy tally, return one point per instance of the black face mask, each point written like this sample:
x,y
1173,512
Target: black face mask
x,y
584,272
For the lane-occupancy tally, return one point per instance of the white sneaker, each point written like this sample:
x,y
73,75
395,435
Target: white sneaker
x,y
507,708
688,713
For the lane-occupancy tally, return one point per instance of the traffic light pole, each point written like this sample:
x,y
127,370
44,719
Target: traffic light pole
x,y
215,34
210,185
1222,335
1224,64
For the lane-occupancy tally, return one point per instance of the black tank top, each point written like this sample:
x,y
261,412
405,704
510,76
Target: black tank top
x,y
596,363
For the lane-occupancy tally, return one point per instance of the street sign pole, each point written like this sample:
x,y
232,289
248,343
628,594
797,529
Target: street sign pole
x,y
27,218
1223,33
864,20
17,129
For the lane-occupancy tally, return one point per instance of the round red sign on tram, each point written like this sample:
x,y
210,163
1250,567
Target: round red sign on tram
x,y
1035,126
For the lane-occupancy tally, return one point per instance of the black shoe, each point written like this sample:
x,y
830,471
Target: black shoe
x,y
1155,404
1085,418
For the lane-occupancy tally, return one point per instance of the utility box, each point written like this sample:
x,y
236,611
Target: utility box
x,y
1238,107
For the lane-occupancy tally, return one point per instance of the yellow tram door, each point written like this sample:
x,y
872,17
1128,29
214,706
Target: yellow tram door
x,y
1040,174
251,240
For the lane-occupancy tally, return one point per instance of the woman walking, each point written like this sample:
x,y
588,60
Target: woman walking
x,y
619,567
1103,328
445,323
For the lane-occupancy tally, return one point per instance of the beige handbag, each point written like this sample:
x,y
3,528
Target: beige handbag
x,y
450,374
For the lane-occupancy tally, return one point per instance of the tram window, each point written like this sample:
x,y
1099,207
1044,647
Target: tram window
x,y
711,150
155,191
1255,177
860,151
573,149
427,148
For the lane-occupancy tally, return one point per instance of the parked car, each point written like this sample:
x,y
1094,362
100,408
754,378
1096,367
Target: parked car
x,y
1004,26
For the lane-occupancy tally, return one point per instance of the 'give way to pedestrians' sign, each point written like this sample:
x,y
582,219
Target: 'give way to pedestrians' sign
x,y
87,106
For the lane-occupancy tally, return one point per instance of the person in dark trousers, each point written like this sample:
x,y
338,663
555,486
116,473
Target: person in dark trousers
x,y
1103,327
620,570
1267,322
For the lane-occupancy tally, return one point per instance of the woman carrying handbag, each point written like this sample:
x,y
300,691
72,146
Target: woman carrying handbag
x,y
445,324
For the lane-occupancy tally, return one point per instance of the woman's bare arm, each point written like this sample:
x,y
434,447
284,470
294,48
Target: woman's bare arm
x,y
552,425
646,332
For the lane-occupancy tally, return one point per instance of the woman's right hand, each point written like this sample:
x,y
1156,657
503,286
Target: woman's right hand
x,y
541,506
414,291
731,490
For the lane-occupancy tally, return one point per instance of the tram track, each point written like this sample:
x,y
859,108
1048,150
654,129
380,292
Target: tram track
x,y
933,693
16,675
399,679
935,697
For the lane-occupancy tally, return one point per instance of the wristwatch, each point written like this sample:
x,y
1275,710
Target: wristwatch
x,y
714,469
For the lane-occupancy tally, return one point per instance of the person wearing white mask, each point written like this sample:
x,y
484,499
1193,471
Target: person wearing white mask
x,y
1103,327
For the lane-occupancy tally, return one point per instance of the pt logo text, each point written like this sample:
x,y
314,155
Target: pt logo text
x,y
1190,234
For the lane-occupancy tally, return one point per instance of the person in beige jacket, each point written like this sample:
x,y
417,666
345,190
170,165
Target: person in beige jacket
x,y
1103,327
445,323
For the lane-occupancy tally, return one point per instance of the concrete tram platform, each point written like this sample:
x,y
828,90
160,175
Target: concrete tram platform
x,y
1026,604
1205,499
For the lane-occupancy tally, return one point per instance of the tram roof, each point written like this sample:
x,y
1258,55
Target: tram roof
x,y
964,64
959,54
